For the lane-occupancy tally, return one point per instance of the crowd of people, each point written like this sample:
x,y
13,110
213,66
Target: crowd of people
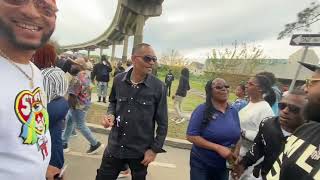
x,y
264,134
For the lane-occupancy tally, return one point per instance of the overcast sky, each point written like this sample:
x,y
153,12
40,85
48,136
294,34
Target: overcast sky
x,y
191,27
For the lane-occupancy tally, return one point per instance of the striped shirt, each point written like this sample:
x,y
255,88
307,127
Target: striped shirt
x,y
55,82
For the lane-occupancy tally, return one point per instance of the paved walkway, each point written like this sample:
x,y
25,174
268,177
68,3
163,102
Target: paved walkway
x,y
173,165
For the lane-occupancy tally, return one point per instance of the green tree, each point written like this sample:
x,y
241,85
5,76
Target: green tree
x,y
305,19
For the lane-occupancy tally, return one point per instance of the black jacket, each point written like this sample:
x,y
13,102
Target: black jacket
x,y
169,78
118,70
137,110
101,72
300,159
268,143
183,86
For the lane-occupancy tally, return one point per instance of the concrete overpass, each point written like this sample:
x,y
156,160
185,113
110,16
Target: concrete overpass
x,y
129,20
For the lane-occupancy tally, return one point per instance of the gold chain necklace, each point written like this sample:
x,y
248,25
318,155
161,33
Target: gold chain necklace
x,y
31,84
134,84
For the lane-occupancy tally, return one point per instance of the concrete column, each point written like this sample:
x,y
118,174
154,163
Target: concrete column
x,y
101,51
125,48
113,51
88,53
138,36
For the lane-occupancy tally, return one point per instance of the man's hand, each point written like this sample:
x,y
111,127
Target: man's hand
x,y
237,170
51,172
149,156
108,120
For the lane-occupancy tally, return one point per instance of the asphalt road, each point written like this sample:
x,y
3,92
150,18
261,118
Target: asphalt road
x,y
173,165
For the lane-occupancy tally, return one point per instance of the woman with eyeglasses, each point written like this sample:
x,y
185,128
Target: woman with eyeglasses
x,y
272,135
261,98
214,129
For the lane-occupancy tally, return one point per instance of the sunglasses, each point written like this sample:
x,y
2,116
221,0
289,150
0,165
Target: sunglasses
x,y
292,108
41,5
251,84
221,87
311,81
148,58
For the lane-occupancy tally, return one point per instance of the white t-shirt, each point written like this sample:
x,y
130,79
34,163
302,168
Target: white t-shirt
x,y
25,143
250,119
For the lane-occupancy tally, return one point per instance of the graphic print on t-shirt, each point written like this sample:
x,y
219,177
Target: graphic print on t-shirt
x,y
33,115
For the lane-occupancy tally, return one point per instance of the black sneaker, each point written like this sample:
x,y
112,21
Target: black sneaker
x,y
65,148
95,149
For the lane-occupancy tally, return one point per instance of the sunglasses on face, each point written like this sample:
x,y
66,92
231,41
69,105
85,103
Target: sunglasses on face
x,y
221,87
310,82
42,6
251,84
292,108
148,58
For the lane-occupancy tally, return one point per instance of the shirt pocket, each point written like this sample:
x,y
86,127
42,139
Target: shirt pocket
x,y
146,107
121,103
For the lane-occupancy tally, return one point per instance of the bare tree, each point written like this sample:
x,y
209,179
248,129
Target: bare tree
x,y
173,58
305,19
240,59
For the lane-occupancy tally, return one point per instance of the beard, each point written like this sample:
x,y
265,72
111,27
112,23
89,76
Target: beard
x,y
7,31
311,111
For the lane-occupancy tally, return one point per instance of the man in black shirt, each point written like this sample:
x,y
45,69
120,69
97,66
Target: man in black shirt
x,y
137,102
168,80
272,134
101,73
300,159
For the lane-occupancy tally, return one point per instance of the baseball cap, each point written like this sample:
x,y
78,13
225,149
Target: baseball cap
x,y
312,67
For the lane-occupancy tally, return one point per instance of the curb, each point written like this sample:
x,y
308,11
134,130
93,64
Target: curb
x,y
172,142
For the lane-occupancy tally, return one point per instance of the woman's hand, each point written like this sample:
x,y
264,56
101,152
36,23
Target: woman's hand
x,y
226,153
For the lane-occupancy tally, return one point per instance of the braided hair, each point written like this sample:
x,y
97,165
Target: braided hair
x,y
265,85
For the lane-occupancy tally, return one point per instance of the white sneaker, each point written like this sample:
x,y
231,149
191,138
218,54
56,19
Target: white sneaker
x,y
124,174
180,120
66,148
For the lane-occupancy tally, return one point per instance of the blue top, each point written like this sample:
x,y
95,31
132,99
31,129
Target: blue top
x,y
57,110
239,104
223,129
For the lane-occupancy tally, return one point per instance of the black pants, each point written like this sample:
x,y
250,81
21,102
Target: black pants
x,y
110,168
168,89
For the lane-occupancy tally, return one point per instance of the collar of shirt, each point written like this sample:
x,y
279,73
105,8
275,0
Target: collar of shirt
x,y
285,133
147,80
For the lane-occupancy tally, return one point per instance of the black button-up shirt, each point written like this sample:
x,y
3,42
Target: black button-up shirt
x,y
136,109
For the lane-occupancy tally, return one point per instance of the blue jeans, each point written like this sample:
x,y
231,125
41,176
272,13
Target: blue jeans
x,y
197,173
77,117
102,88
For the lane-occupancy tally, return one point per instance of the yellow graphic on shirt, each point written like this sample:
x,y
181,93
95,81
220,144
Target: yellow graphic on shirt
x,y
31,112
